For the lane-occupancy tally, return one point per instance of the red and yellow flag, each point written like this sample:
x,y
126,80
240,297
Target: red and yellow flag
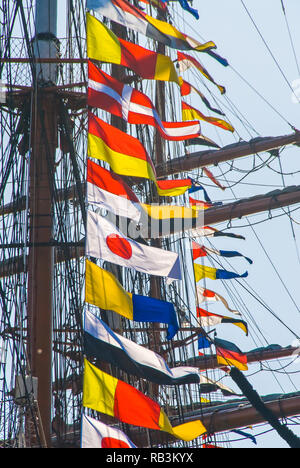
x,y
124,153
122,12
190,113
186,89
105,46
186,61
127,156
108,395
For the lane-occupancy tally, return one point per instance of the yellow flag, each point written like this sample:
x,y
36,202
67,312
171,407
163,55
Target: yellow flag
x,y
170,211
108,395
103,290
190,113
202,271
105,46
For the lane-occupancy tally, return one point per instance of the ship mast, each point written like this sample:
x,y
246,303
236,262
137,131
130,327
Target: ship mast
x,y
40,259
228,416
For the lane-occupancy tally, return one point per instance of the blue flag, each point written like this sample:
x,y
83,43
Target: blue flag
x,y
184,4
196,187
224,274
149,309
203,342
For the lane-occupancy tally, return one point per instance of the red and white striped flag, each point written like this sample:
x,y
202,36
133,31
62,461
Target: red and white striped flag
x,y
109,191
109,94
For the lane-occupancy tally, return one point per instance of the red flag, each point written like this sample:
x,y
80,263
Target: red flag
x,y
212,178
109,94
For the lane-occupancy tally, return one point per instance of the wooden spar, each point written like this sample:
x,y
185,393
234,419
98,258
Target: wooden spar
x,y
227,212
268,202
226,417
248,206
210,362
236,210
266,413
20,203
40,260
213,157
204,363
154,339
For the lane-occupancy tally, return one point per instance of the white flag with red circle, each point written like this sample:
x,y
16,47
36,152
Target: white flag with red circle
x,y
95,434
107,242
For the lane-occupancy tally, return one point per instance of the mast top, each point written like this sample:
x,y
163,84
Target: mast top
x,y
46,44
46,17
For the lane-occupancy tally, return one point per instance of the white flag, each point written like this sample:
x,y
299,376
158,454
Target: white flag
x,y
205,295
95,434
105,241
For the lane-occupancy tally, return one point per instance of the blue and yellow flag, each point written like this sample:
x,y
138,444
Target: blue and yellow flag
x,y
202,271
103,290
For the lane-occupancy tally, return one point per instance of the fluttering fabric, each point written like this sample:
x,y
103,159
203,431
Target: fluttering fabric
x,y
95,434
230,355
207,319
105,241
206,295
200,204
103,45
109,94
170,211
200,141
202,251
202,272
108,395
122,12
196,187
185,5
185,61
103,290
102,343
186,89
127,156
191,113
210,175
107,190
209,231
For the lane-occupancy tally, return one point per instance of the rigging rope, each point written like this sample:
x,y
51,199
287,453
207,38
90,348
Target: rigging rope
x,y
270,51
290,36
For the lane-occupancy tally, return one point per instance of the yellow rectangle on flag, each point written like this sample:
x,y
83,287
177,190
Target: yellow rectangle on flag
x,y
170,211
163,69
99,390
202,271
103,290
101,42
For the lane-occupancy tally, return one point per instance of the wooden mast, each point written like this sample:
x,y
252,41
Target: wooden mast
x,y
40,259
